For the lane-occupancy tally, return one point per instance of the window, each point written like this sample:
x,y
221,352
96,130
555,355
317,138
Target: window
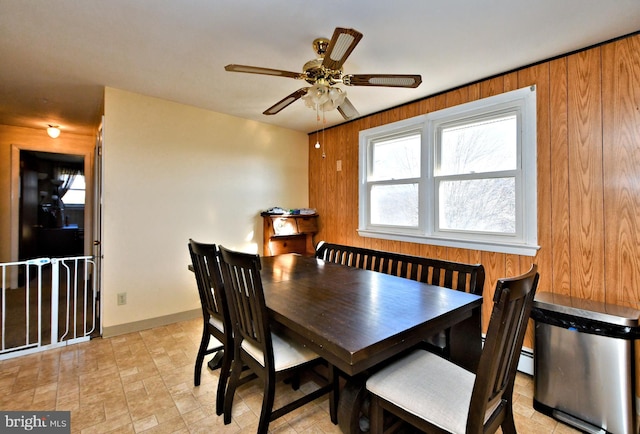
x,y
394,180
461,177
75,194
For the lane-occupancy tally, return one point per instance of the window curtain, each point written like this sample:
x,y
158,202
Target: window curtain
x,y
67,175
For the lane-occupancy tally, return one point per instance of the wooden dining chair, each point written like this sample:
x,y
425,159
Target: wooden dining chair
x,y
435,395
271,356
205,259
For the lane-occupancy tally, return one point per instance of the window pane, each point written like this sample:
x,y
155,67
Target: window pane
x,y
76,193
73,197
486,205
395,205
398,158
483,146
78,183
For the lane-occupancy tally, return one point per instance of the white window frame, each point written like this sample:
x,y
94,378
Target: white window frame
x,y
524,241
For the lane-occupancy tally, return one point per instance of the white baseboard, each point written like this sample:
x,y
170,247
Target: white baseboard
x,y
525,364
108,332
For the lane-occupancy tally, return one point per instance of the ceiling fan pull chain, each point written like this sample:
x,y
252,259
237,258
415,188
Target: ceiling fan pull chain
x,y
324,121
317,128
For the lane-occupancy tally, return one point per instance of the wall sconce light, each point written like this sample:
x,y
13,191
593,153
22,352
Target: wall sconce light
x,y
53,131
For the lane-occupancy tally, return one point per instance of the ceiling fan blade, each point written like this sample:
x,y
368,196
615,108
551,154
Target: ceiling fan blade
x,y
284,102
386,80
342,44
265,71
347,110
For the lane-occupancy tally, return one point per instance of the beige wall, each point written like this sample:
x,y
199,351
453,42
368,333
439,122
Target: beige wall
x,y
174,172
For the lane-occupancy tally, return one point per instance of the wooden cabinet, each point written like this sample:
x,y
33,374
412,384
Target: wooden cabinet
x,y
289,233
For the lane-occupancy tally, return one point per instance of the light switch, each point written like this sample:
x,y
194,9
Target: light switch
x,y
339,165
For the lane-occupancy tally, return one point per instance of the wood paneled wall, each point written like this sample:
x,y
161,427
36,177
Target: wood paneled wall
x,y
588,148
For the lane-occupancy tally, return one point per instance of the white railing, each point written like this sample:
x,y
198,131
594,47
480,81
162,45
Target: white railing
x,y
28,312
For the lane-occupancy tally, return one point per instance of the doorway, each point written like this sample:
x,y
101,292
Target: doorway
x,y
80,152
46,222
52,205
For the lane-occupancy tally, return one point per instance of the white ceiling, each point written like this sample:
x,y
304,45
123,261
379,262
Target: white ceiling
x,y
56,56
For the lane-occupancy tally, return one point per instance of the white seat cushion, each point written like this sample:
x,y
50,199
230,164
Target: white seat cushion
x,y
213,342
216,323
429,387
286,353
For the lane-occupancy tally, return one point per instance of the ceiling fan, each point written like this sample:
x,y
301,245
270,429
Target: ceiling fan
x,y
326,71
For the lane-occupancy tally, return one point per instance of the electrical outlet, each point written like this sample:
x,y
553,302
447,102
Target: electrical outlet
x,y
122,298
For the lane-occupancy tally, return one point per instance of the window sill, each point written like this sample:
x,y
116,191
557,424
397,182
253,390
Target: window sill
x,y
489,246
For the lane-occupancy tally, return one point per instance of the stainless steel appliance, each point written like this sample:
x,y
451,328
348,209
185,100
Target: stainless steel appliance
x,y
584,363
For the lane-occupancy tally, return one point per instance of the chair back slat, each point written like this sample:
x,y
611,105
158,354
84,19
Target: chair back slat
x,y
513,300
404,269
343,257
384,264
371,262
205,259
394,266
422,272
243,286
448,278
462,280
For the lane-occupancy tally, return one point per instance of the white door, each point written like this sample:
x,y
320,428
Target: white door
x,y
97,220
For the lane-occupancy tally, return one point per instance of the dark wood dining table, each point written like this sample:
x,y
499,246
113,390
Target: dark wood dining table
x,y
358,319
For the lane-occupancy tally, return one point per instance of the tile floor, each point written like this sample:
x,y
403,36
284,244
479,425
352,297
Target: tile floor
x,y
143,383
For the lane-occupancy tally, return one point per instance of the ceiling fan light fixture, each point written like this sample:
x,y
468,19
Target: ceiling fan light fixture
x,y
337,97
317,95
53,131
323,97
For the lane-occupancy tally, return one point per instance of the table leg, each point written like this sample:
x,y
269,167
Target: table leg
x,y
216,360
353,407
465,340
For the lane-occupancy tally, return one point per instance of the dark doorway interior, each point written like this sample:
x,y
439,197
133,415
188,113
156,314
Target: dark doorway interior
x,y
49,227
